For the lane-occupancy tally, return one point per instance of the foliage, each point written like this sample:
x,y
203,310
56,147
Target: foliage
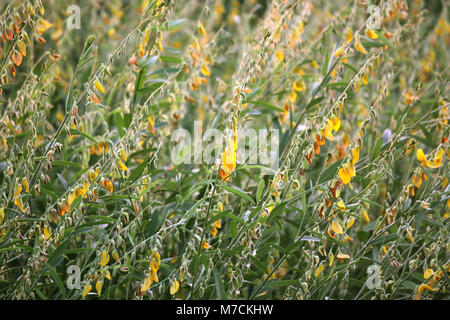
x,y
86,171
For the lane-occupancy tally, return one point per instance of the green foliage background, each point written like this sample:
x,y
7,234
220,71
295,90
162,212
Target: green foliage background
x,y
274,239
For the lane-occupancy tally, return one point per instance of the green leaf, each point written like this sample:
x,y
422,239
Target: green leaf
x,y
220,291
260,190
57,279
237,191
266,105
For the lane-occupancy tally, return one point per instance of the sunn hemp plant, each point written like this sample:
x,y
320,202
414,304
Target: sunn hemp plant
x,y
91,93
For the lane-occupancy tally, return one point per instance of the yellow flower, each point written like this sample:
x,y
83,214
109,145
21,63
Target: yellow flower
x,y
358,46
409,235
205,71
344,175
122,166
280,56
17,190
105,258
18,202
93,174
319,270
336,227
292,97
347,172
86,290
205,245
99,86
47,234
22,48
146,284
428,274
339,52
43,25
371,34
350,223
228,159
422,288
2,215
123,156
327,131
365,79
331,257
174,286
437,160
201,29
365,216
108,185
421,157
341,205
349,36
299,85
98,287
115,255
336,123
434,163
25,184
355,155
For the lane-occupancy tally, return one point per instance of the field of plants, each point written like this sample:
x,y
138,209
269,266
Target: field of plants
x,y
101,197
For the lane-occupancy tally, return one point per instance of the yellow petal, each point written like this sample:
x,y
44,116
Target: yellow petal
x,y
47,234
371,34
86,290
331,259
421,156
339,52
350,223
201,29
99,86
299,85
205,71
344,175
341,205
365,216
349,36
336,227
355,155
428,274
174,286
123,155
105,258
293,96
205,245
22,48
336,123
18,202
424,287
122,166
319,270
115,255
359,47
146,284
280,56
98,287
439,154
